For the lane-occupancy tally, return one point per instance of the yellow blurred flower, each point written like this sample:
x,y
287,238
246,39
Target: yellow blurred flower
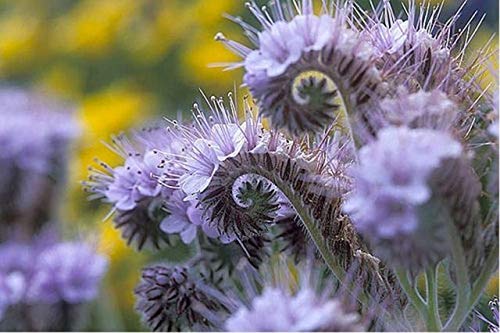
x,y
111,244
92,26
20,42
209,13
492,287
152,32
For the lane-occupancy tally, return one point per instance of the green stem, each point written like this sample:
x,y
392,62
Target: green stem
x,y
413,295
314,232
458,318
462,276
433,319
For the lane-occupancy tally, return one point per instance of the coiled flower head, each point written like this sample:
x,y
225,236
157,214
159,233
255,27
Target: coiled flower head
x,y
211,147
171,298
300,63
393,183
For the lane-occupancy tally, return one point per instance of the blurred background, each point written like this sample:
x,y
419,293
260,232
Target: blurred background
x,y
122,63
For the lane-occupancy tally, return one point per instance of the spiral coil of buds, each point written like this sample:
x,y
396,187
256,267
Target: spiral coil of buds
x,y
301,62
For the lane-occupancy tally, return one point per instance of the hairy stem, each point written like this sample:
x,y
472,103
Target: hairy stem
x,y
462,275
433,319
487,271
413,295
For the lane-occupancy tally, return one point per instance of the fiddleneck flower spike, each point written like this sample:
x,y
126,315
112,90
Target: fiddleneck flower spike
x,y
392,187
215,138
300,63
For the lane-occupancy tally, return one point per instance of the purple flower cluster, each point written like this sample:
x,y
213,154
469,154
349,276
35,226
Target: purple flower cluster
x,y
422,109
126,185
276,310
46,273
392,202
25,148
282,301
392,179
177,163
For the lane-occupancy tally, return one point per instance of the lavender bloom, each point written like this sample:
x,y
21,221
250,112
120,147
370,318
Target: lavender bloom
x,y
134,188
392,184
178,220
301,62
279,300
12,287
69,272
422,109
278,311
417,51
128,184
28,149
16,269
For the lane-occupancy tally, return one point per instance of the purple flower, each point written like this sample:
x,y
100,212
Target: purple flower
x,y
278,311
202,164
417,51
137,178
133,182
291,302
280,46
69,272
33,150
12,289
420,110
392,179
391,202
179,221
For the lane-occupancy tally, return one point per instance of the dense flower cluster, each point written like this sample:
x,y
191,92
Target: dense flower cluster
x,y
380,168
296,56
